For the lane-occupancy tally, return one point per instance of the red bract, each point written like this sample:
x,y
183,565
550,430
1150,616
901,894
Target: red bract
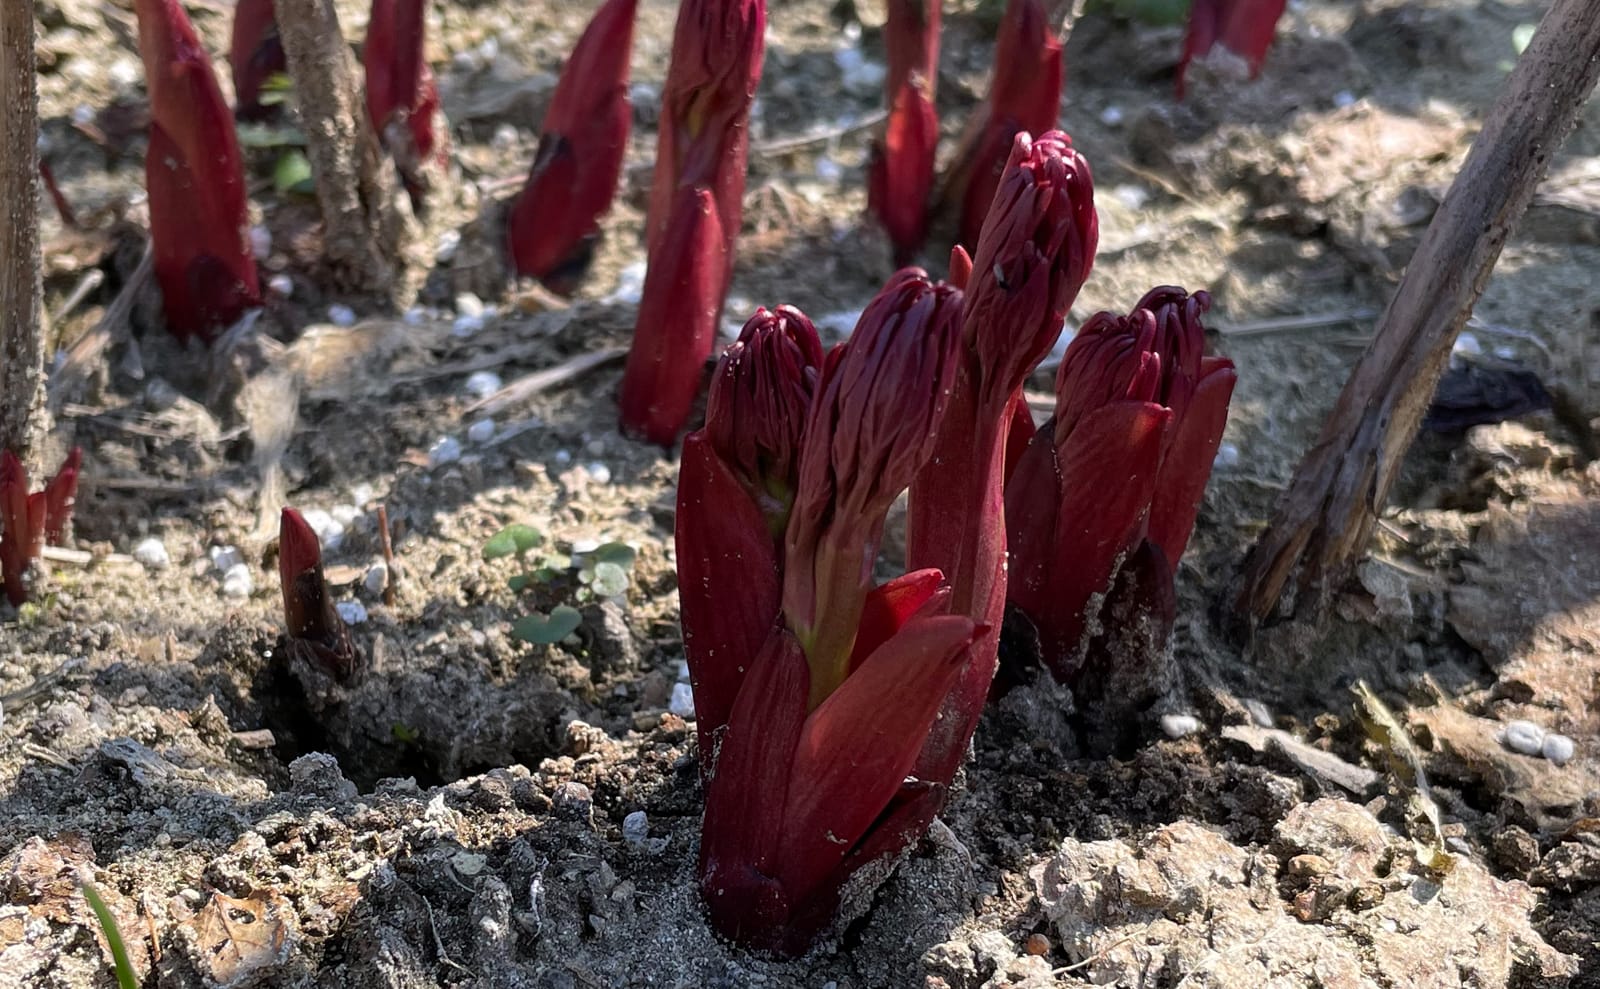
x,y
255,54
552,225
315,633
28,520
700,167
834,690
199,221
1241,28
900,176
1034,254
402,97
1140,413
1024,95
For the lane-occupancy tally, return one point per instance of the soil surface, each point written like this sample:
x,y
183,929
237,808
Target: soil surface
x,y
481,811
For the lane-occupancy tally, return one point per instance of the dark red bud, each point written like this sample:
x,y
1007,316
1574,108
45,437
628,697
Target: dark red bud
x,y
315,632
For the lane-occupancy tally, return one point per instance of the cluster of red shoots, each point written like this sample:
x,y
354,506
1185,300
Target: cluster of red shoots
x,y
833,711
1024,95
30,520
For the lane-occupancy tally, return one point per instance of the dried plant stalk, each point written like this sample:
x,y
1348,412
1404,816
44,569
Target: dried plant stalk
x,y
21,330
1324,521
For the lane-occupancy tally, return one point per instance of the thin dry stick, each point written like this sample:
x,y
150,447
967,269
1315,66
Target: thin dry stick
x,y
21,334
544,379
84,354
1325,519
365,226
384,540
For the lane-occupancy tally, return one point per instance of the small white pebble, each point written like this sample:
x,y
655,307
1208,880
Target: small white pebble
x,y
1344,98
829,170
482,384
600,473
1558,748
237,582
504,139
225,558
630,284
125,72
260,242
446,451
345,515
1111,116
481,431
1179,725
281,284
1467,344
489,49
415,316
329,532
636,828
340,314
463,62
353,612
377,578
446,248
683,671
563,456
1523,736
468,304
466,326
361,493
1505,353
643,94
586,545
1259,713
152,554
682,703
1227,457
82,113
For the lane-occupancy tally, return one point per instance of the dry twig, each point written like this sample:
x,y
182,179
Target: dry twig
x,y
1324,521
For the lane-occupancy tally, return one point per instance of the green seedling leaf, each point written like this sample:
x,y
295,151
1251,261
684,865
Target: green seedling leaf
x,y
404,733
1521,35
516,539
546,575
108,926
545,630
621,554
519,582
292,174
610,580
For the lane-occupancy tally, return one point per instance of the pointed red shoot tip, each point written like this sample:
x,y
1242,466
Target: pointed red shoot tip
x,y
960,267
316,633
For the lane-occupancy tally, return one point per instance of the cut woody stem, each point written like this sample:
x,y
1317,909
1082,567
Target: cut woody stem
x,y
365,226
21,331
1324,521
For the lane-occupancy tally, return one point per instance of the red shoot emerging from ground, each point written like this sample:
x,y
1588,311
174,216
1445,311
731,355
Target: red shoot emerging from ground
x,y
552,225
28,521
696,209
1240,30
1123,463
1024,95
315,632
1034,253
815,688
255,54
900,176
402,97
199,219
